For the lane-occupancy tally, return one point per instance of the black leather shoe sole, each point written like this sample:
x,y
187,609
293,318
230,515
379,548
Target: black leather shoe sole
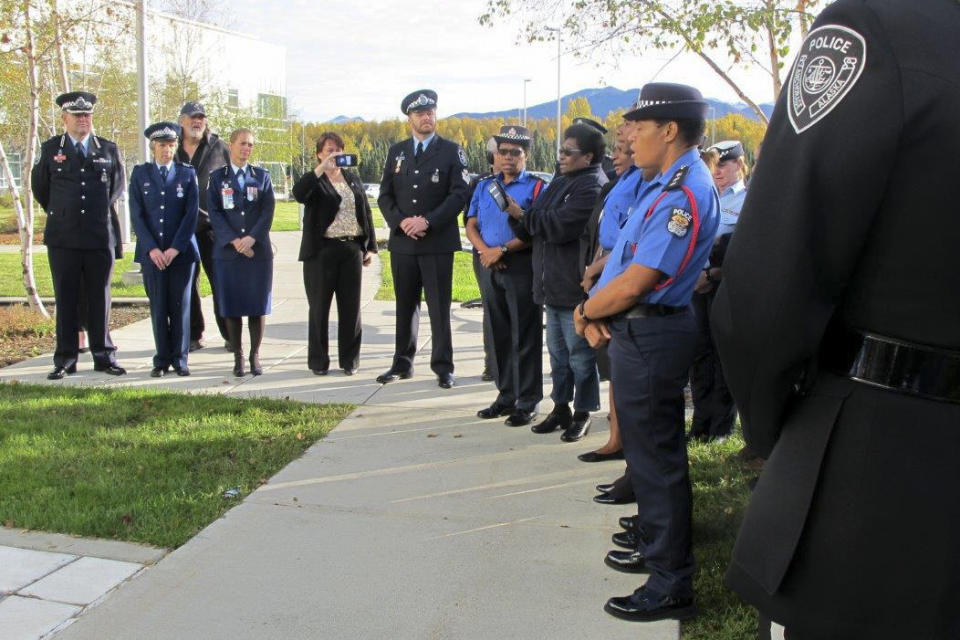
x,y
445,382
606,498
112,370
549,425
494,411
627,523
391,376
157,372
593,456
520,418
624,565
576,431
684,612
58,373
606,488
625,540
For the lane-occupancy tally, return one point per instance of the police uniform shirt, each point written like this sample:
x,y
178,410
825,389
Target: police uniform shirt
x,y
618,206
673,236
731,201
494,223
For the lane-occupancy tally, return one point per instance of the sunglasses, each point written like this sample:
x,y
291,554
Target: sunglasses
x,y
516,153
564,151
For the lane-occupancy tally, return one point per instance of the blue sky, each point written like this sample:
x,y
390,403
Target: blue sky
x,y
360,57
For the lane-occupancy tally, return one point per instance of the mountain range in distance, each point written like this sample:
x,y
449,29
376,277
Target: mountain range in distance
x,y
602,101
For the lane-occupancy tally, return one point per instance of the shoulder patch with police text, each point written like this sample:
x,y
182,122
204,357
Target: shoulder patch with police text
x,y
462,156
679,222
830,63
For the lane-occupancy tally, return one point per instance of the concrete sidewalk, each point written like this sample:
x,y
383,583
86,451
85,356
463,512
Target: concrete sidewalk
x,y
412,519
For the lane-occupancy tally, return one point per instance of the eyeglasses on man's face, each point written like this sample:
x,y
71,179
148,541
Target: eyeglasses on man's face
x,y
516,153
569,151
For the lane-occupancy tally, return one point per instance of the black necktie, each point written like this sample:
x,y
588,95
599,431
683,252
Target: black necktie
x,y
163,173
80,151
419,150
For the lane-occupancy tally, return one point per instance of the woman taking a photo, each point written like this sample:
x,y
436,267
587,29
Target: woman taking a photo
x,y
241,211
338,240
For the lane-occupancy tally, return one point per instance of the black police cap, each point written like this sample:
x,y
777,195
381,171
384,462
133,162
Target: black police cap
x,y
419,100
513,133
76,102
729,149
167,131
192,108
591,123
669,101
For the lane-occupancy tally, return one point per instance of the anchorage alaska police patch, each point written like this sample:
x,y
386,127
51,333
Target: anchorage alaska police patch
x,y
830,63
679,222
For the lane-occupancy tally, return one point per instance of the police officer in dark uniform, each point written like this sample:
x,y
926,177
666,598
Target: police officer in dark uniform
x,y
506,280
205,151
77,180
422,193
838,325
642,301
163,210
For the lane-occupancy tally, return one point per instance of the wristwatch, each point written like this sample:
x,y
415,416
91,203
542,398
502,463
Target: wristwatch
x,y
583,313
504,249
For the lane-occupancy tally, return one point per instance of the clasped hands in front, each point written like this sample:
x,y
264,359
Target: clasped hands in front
x,y
414,226
162,259
244,245
595,331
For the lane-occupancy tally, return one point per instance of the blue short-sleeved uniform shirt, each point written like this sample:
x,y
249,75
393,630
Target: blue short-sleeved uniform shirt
x,y
618,206
662,240
493,223
731,201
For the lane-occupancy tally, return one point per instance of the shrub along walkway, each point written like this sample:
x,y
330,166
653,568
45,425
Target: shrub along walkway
x,y
412,519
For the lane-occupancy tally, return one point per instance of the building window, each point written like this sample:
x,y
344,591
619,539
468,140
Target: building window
x,y
15,162
271,106
233,98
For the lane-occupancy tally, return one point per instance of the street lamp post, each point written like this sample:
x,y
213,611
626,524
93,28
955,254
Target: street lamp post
x,y
525,81
713,124
558,31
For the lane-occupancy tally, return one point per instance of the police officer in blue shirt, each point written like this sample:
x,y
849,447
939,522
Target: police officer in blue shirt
x,y
164,204
713,409
506,280
641,304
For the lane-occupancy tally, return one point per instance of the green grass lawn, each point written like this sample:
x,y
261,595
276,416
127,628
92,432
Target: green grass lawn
x,y
286,216
465,285
11,282
138,465
720,496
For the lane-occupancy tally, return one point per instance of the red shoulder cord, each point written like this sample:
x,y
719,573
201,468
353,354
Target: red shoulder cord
x,y
693,234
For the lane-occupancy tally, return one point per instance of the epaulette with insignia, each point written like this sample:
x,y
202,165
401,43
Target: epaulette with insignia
x,y
181,163
677,180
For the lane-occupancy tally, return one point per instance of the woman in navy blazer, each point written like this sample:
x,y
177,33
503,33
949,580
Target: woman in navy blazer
x,y
241,204
163,209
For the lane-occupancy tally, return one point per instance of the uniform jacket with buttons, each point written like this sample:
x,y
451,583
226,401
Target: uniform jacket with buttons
x,y
433,186
164,213
248,217
79,195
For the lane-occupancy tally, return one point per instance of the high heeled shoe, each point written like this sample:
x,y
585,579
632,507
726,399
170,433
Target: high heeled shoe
x,y
238,370
255,367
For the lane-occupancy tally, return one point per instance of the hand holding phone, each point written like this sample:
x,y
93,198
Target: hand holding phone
x,y
347,160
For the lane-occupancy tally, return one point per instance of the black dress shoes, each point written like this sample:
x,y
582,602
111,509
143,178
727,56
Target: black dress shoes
x,y
626,539
349,371
59,372
494,411
196,345
319,372
158,372
391,375
628,523
182,371
606,488
559,418
445,380
110,369
626,561
486,376
593,456
520,417
609,498
646,606
255,368
578,428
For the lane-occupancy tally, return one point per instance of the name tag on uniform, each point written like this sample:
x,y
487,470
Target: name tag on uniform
x,y
103,176
399,162
227,194
435,178
179,190
252,193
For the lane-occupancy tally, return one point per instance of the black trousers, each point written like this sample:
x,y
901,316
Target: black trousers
x,y
430,276
205,243
337,270
650,359
169,293
516,324
93,269
714,411
488,363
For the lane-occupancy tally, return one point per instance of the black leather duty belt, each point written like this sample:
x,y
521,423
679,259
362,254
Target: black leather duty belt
x,y
645,310
896,365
